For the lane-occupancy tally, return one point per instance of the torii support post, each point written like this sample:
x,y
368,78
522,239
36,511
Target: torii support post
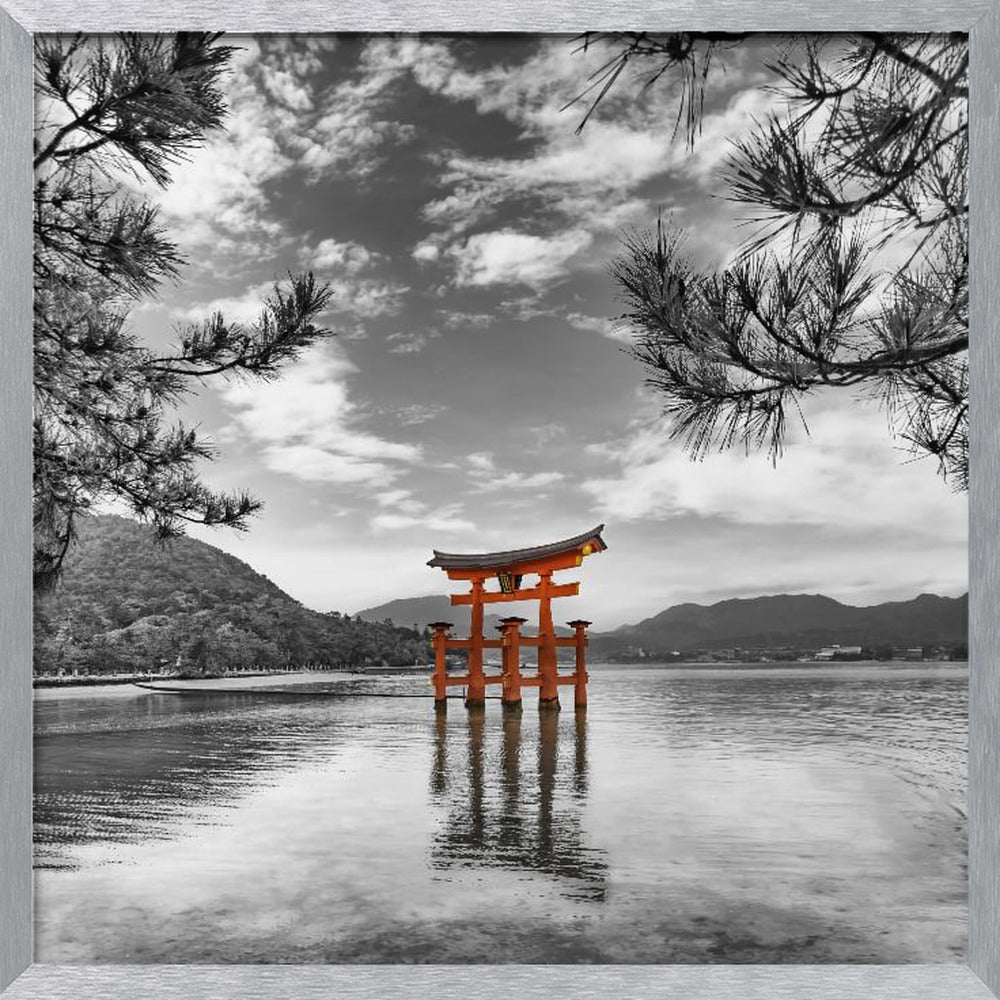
x,y
475,694
580,677
440,643
548,676
510,629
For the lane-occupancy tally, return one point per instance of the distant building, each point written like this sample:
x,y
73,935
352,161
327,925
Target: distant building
x,y
832,652
912,653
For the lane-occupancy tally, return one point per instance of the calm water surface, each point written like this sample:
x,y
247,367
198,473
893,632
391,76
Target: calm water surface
x,y
801,814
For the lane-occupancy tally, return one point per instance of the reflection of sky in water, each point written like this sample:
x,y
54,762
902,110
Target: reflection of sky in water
x,y
771,815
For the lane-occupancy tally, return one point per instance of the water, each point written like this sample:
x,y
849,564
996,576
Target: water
x,y
800,814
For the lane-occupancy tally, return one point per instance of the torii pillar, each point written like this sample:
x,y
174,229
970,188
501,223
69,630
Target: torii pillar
x,y
580,676
510,630
548,663
439,641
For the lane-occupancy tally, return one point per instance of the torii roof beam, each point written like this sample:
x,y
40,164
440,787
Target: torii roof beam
x,y
540,558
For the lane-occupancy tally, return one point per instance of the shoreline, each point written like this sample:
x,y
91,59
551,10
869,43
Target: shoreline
x,y
97,686
132,687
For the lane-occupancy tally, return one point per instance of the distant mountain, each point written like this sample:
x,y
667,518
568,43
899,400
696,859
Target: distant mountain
x,y
410,611
125,602
800,620
418,611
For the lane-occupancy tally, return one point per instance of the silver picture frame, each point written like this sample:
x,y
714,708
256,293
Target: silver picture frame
x,y
20,979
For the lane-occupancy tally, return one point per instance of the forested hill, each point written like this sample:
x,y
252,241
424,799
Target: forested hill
x,y
126,602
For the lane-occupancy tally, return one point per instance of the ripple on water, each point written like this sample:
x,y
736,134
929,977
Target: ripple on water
x,y
689,815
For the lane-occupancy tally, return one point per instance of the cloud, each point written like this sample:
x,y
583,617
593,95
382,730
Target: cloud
x,y
481,461
445,519
321,465
367,298
426,252
407,343
507,257
400,510
613,329
244,307
308,428
538,436
417,413
457,320
487,477
520,481
280,122
601,179
402,500
525,308
351,131
575,176
846,475
360,297
217,201
714,142
283,86
348,257
343,265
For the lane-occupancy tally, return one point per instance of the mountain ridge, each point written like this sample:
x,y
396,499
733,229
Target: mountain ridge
x,y
765,620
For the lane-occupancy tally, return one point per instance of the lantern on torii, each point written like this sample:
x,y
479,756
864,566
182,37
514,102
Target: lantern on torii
x,y
510,570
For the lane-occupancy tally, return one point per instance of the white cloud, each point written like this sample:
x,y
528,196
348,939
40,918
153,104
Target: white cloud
x,y
426,252
367,298
715,138
283,85
350,132
402,500
481,461
407,343
417,413
308,426
457,320
539,435
216,201
487,477
243,308
446,519
599,178
509,257
613,329
348,257
361,297
521,481
321,465
846,475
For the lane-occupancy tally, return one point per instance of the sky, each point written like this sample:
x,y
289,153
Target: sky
x,y
476,394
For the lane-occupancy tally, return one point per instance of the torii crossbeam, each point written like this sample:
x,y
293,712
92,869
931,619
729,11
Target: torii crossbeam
x,y
510,568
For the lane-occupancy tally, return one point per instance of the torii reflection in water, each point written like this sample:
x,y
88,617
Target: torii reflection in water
x,y
527,824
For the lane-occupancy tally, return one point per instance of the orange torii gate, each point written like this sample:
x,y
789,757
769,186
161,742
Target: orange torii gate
x,y
510,568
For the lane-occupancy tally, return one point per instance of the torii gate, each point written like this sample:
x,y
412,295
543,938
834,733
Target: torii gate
x,y
510,568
